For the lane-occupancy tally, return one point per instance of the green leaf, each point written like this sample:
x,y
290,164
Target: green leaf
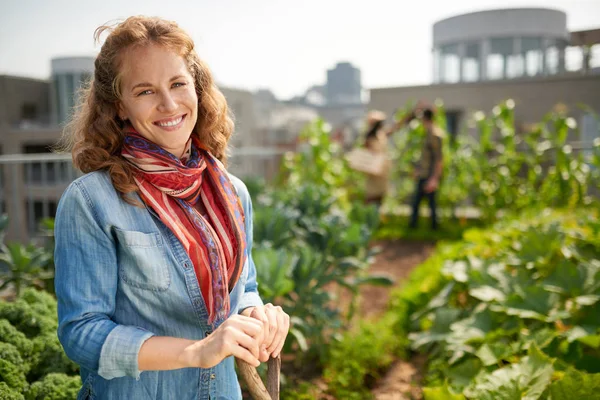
x,y
441,393
375,280
576,385
533,303
526,380
492,353
487,294
463,373
457,270
587,300
587,335
539,368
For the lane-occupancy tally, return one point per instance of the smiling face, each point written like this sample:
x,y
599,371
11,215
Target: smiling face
x,y
158,96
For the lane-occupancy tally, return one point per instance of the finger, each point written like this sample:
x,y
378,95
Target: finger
x,y
283,329
272,315
250,325
244,354
249,343
233,337
259,316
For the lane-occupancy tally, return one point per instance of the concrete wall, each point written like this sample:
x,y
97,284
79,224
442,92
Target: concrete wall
x,y
533,97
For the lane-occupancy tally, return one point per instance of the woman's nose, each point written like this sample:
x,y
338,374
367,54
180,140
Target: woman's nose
x,y
167,103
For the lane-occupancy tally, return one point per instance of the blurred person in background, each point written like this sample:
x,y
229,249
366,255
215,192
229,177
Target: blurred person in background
x,y
155,281
428,170
376,142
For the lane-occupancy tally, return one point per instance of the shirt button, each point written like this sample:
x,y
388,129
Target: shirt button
x,y
212,376
197,302
186,265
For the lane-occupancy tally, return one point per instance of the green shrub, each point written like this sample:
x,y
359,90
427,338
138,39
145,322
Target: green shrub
x,y
50,358
360,358
54,386
10,334
13,376
10,353
33,319
6,393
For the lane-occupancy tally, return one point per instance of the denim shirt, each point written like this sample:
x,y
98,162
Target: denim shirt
x,y
122,277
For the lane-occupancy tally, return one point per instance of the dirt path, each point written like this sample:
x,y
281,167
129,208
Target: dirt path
x,y
397,259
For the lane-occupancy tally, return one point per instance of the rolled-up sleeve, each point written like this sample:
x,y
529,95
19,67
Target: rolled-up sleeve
x,y
250,297
86,284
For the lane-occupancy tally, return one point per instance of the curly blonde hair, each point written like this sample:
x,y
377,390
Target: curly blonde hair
x,y
94,136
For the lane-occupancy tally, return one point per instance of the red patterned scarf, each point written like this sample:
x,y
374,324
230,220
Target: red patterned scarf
x,y
195,198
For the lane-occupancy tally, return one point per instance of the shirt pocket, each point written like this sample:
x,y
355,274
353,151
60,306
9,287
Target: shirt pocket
x,y
142,260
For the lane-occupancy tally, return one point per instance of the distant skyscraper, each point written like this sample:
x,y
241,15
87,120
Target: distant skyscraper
x,y
343,84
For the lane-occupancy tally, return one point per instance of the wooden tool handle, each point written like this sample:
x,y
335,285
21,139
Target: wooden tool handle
x,y
255,384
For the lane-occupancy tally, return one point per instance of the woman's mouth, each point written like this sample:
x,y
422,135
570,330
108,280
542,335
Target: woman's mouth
x,y
171,123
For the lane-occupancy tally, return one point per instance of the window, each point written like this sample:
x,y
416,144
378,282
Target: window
x,y
573,58
515,66
437,78
450,64
38,210
40,172
28,112
500,50
552,60
595,56
532,50
470,64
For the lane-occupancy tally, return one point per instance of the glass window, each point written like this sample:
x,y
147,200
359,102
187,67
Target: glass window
x,y
500,50
515,67
450,64
552,58
595,56
573,58
436,66
470,64
532,49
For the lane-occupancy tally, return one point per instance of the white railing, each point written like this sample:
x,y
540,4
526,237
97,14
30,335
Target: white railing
x,y
31,184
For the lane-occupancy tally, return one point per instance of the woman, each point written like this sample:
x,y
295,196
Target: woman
x,y
154,270
376,141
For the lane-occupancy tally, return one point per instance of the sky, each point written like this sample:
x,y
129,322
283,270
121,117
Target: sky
x,y
279,45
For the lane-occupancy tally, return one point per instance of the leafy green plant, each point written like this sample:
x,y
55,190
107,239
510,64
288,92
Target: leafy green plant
x,y
496,168
54,386
23,266
519,307
30,351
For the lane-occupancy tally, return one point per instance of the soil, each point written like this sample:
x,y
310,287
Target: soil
x,y
396,259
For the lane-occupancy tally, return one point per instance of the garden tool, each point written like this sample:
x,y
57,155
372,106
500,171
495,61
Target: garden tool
x,y
255,384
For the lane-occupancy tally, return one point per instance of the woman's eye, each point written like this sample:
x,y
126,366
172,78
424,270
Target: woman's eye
x,y
145,92
178,84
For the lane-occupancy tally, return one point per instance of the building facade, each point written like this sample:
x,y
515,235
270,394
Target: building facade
x,y
499,44
484,58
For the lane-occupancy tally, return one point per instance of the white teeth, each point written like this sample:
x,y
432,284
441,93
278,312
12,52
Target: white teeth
x,y
171,123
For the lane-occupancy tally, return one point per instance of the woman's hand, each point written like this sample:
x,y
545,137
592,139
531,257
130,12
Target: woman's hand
x,y
239,336
276,324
